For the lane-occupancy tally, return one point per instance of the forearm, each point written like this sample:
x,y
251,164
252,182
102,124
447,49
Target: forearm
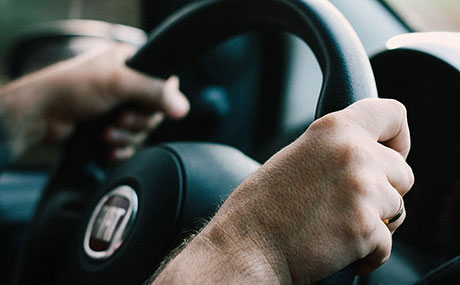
x,y
247,243
241,244
222,253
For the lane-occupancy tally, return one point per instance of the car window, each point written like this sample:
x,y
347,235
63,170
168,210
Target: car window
x,y
16,15
428,15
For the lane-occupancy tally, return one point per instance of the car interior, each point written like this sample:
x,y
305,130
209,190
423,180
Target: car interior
x,y
257,73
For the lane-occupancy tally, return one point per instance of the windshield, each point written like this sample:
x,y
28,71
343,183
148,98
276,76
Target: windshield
x,y
428,15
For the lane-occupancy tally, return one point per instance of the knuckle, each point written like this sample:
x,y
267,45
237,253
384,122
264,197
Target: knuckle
x,y
357,174
327,122
351,155
362,226
406,177
385,248
356,184
398,106
385,258
382,253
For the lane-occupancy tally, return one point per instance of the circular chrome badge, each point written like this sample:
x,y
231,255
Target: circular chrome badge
x,y
110,222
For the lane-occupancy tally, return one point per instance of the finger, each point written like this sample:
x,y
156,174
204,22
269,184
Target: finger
x,y
396,218
163,96
395,225
132,121
173,103
388,203
131,85
120,137
137,121
385,120
398,172
154,121
122,153
382,248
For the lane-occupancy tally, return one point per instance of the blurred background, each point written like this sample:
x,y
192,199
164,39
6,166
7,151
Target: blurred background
x,y
429,15
19,15
16,15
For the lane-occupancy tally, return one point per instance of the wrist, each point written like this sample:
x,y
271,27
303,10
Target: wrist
x,y
244,231
217,256
242,252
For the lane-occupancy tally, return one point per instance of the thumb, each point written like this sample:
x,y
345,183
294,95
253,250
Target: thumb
x,y
172,101
163,96
156,93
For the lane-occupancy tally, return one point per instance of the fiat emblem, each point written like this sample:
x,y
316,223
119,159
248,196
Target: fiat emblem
x,y
110,222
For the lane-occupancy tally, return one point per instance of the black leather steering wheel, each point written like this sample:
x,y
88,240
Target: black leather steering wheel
x,y
89,229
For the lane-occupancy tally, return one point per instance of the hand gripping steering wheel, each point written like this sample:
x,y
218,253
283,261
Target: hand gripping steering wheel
x,y
92,230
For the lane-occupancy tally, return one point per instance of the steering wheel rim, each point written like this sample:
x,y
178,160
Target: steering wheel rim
x,y
346,71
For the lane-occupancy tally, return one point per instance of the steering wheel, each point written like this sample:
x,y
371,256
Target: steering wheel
x,y
92,229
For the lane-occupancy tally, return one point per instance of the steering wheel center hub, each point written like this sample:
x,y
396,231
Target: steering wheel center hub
x,y
110,222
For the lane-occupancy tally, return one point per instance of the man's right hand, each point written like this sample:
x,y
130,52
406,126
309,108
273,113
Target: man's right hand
x,y
315,207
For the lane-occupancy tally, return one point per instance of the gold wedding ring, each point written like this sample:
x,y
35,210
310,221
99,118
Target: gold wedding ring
x,y
398,214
